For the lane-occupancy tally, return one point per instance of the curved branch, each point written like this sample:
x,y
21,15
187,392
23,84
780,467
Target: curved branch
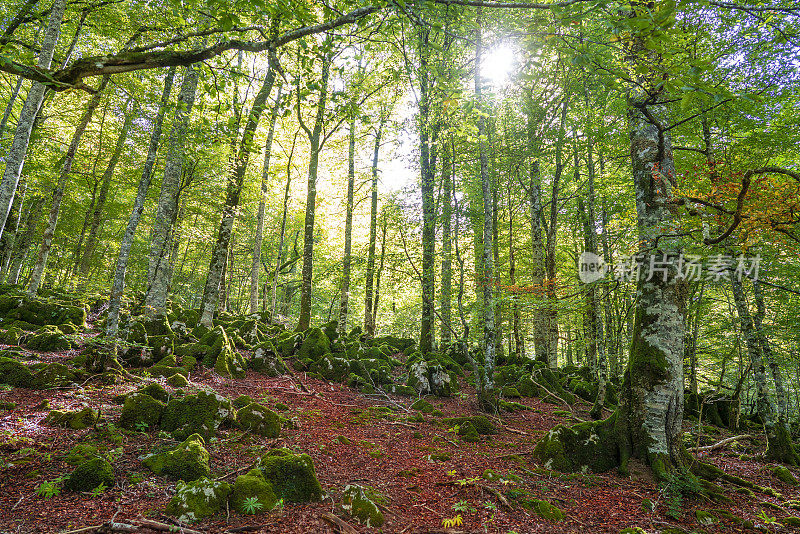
x,y
737,215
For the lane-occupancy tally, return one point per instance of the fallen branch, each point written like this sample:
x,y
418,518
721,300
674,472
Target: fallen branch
x,y
165,527
496,493
720,444
338,524
110,527
515,431
240,470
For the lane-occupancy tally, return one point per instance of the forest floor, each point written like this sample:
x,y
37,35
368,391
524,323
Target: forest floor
x,y
424,471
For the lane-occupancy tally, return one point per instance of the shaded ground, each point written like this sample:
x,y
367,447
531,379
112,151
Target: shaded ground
x,y
425,471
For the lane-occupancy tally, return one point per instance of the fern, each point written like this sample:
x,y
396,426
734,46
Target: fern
x,y
451,522
251,506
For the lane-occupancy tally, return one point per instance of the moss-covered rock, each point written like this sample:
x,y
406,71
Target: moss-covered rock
x,y
288,343
11,336
253,485
423,406
178,381
481,424
141,412
292,475
198,499
358,504
511,392
579,448
259,419
14,373
705,518
161,346
784,475
41,312
202,413
48,339
315,344
241,401
89,475
47,375
545,510
188,461
75,420
332,368
266,360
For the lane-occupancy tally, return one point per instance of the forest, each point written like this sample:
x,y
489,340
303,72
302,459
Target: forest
x,y
401,266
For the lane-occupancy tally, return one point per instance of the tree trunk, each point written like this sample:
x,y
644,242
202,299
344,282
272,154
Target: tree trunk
x,y
97,214
282,237
537,246
427,182
256,265
519,345
11,229
58,192
219,254
486,393
9,108
369,315
447,247
348,226
22,135
118,284
167,210
378,274
314,136
23,241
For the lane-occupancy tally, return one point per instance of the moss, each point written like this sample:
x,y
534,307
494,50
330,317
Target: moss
x,y
332,368
705,518
155,390
292,475
77,420
790,521
188,461
199,499
52,375
80,453
468,432
479,422
161,346
545,510
90,474
202,414
490,475
511,392
266,360
287,343
11,336
177,381
141,411
585,446
250,485
357,503
402,389
48,339
423,406
259,419
281,407
315,345
784,475
241,401
14,373
7,405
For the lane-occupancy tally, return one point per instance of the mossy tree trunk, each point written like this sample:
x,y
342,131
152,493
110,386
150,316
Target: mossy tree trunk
x,y
369,316
24,239
447,245
344,302
534,191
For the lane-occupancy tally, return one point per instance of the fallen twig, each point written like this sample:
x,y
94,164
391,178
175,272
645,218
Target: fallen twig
x,y
240,470
338,524
720,444
164,527
496,493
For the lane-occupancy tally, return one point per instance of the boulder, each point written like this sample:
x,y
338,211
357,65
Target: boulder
x,y
141,412
202,413
198,499
357,503
259,419
266,360
251,486
48,339
188,461
89,475
292,475
75,420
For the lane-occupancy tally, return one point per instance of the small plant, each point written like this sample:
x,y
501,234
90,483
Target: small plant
x,y
467,481
278,506
251,506
464,506
450,522
96,492
678,485
766,519
141,426
113,455
50,488
451,473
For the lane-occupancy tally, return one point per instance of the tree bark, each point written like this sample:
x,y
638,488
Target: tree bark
x,y
9,108
348,226
219,254
369,315
23,241
282,237
158,267
259,239
118,284
314,138
11,229
108,175
22,135
447,246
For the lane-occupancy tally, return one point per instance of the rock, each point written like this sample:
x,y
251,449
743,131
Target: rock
x,y
77,420
511,392
47,375
241,401
161,346
41,312
202,414
222,355
705,518
287,343
479,422
89,475
315,345
292,475
418,377
199,499
266,360
155,390
784,475
468,432
259,419
11,336
141,412
177,381
545,510
331,330
48,339
14,373
423,406
332,367
80,453
441,382
188,461
358,504
253,485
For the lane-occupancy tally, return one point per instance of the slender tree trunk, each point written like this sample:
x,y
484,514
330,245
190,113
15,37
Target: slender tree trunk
x,y
22,135
486,388
348,227
427,179
118,284
167,210
58,192
9,108
537,247
23,241
374,317
314,138
233,194
447,247
256,265
369,316
282,236
97,214
11,229
519,345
